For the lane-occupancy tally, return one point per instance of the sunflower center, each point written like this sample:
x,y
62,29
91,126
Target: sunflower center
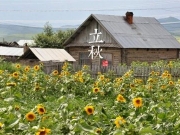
x,y
89,110
41,109
42,133
138,101
31,116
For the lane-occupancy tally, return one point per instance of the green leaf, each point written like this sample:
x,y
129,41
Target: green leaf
x,y
147,131
103,111
84,126
117,132
14,124
161,115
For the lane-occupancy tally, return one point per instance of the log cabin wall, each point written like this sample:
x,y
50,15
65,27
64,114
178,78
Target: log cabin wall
x,y
116,54
150,55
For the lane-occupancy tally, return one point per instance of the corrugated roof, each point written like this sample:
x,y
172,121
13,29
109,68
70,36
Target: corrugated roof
x,y
87,45
145,32
48,54
10,51
29,42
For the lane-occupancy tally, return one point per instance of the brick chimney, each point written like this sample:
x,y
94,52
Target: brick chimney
x,y
129,17
26,47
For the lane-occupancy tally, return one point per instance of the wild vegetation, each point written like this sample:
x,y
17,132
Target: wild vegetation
x,y
51,39
71,103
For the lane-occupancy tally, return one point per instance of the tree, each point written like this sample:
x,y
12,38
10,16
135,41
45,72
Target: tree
x,y
50,39
48,30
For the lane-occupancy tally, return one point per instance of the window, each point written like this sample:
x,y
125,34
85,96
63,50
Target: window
x,y
107,59
84,59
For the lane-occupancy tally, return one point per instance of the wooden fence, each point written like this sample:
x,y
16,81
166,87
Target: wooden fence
x,y
139,72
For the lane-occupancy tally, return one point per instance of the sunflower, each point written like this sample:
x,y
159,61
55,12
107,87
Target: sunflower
x,y
120,98
96,84
85,67
81,80
132,86
30,116
163,87
171,83
152,73
65,65
95,90
122,91
24,78
137,102
89,110
101,77
41,109
37,86
151,80
157,73
16,107
79,73
55,72
11,84
119,121
18,65
1,71
139,81
26,69
119,79
99,73
15,75
98,130
1,125
43,131
36,67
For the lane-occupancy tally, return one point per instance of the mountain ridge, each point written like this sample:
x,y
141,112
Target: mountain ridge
x,y
13,32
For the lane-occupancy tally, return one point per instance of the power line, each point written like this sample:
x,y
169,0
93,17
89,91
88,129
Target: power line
x,y
69,10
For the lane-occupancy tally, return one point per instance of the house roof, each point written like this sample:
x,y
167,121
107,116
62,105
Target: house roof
x,y
145,32
10,51
29,42
49,54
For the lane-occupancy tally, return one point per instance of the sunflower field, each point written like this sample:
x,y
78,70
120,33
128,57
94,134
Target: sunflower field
x,y
74,103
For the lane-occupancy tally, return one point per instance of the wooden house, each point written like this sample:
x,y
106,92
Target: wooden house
x,y
109,40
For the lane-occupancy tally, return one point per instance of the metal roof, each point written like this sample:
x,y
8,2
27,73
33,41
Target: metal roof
x,y
10,51
87,45
48,54
145,32
29,42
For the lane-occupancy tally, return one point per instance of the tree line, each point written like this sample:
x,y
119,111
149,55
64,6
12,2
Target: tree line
x,y
50,39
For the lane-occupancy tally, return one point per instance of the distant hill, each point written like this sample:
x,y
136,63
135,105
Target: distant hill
x,y
171,24
12,33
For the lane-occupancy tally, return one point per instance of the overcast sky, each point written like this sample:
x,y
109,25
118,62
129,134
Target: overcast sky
x,y
74,12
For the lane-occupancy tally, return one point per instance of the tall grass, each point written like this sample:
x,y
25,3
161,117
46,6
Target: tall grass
x,y
4,65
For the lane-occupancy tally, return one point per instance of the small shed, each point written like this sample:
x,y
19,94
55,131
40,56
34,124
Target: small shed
x,y
10,53
50,57
109,40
